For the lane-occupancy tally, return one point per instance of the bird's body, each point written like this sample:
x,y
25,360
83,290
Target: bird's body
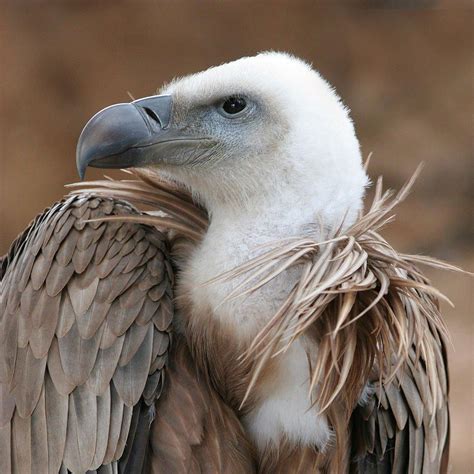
x,y
320,367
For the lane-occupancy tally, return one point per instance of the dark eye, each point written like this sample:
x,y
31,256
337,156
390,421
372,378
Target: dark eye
x,y
234,105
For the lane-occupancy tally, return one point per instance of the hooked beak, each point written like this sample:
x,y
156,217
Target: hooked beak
x,y
131,135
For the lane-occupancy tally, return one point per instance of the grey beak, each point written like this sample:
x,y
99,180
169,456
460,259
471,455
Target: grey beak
x,y
123,135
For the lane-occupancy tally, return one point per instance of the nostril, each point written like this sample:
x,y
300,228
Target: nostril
x,y
152,115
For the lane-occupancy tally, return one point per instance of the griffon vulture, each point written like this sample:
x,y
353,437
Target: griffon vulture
x,y
227,308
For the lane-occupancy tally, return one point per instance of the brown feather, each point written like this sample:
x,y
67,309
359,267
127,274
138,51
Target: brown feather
x,y
57,359
5,448
39,436
7,405
130,379
206,437
117,408
56,424
27,381
104,367
21,444
297,460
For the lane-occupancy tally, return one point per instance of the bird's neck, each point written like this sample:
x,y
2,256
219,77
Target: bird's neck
x,y
220,330
272,217
238,234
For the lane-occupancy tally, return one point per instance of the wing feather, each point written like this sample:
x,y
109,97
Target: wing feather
x,y
77,351
27,381
130,380
415,433
21,444
56,405
47,314
104,368
82,430
117,407
5,448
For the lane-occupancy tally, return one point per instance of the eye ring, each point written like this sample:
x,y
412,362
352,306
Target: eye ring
x,y
233,106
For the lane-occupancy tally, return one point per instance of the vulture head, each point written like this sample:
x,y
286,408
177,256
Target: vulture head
x,y
258,134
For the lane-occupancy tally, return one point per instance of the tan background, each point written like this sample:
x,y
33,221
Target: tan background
x,y
406,73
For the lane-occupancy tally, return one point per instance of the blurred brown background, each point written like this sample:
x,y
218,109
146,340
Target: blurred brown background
x,y
404,67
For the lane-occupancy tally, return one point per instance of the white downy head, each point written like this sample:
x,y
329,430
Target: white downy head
x,y
292,147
